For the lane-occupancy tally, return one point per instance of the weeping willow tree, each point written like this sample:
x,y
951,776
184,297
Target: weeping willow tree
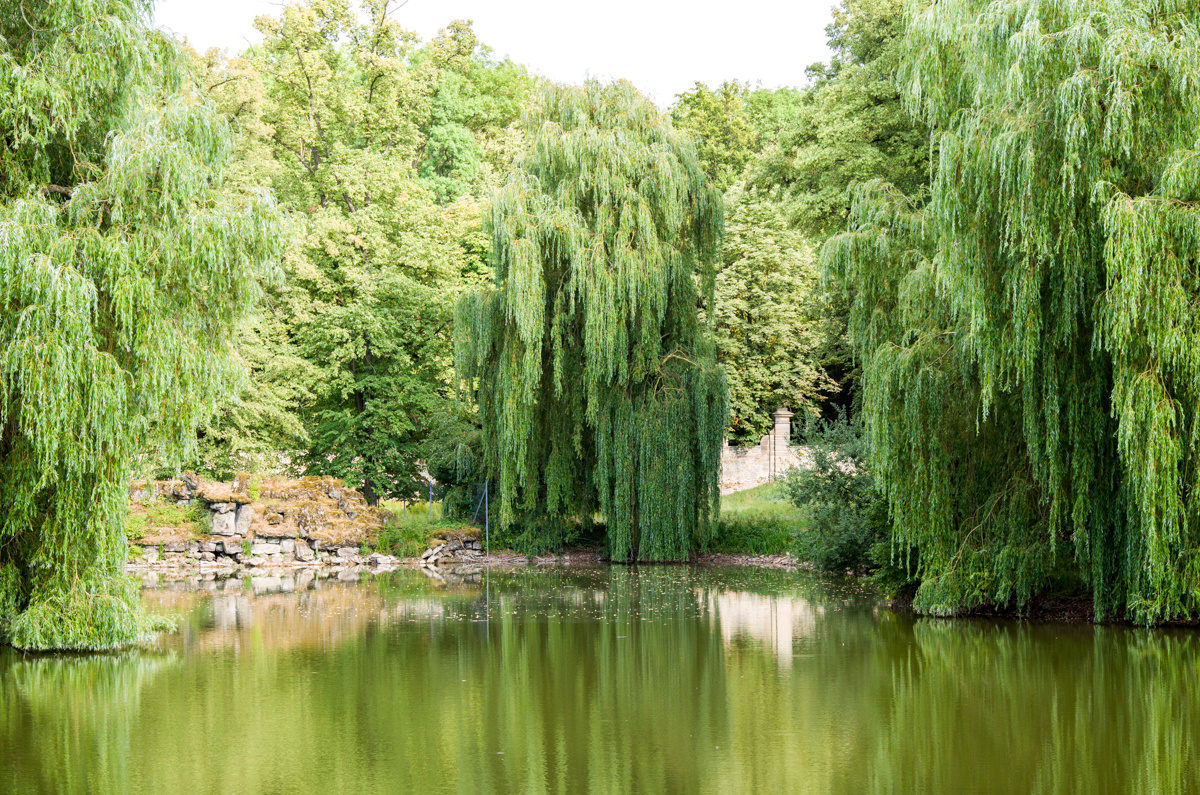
x,y
124,269
596,383
1030,334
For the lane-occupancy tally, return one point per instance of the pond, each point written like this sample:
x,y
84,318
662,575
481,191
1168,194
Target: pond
x,y
659,679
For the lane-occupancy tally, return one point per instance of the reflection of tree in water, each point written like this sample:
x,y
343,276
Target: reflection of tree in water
x,y
1040,708
616,679
66,721
580,681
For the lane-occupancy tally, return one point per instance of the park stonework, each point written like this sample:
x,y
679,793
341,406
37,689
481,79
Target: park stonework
x,y
306,522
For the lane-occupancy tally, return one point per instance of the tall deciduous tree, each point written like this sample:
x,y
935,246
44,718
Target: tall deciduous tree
x,y
372,276
596,382
849,126
726,139
475,99
772,330
771,323
259,429
124,268
1032,358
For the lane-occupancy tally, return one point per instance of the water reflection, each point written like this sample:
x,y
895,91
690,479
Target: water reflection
x,y
607,680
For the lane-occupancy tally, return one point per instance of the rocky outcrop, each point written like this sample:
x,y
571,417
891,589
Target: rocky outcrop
x,y
305,522
453,550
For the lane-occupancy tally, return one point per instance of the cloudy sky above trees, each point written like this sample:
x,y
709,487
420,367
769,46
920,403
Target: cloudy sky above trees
x,y
663,47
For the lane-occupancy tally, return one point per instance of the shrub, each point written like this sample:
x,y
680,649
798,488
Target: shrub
x,y
847,516
407,530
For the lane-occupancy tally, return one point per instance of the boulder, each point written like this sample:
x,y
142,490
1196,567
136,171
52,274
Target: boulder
x,y
245,515
287,546
224,524
233,546
303,551
280,529
175,546
264,549
347,552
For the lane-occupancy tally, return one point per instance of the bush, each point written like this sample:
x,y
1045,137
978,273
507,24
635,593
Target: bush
x,y
848,518
158,515
410,530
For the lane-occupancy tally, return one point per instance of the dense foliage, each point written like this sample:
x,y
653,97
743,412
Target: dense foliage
x,y
124,269
847,516
1029,335
849,126
597,386
1003,193
770,319
378,146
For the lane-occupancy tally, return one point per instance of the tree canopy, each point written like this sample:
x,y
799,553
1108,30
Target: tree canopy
x,y
849,126
596,383
380,149
771,323
1029,334
124,269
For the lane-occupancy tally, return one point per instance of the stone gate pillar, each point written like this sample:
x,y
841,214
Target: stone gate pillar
x,y
783,428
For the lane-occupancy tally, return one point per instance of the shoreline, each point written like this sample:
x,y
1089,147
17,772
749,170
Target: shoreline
x,y
378,563
1050,609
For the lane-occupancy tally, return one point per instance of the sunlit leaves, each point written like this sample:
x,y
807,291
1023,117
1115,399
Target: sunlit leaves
x,y
120,288
1049,287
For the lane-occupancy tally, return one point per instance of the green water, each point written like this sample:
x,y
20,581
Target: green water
x,y
656,680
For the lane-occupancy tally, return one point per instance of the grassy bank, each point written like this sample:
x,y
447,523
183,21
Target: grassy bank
x,y
410,529
758,521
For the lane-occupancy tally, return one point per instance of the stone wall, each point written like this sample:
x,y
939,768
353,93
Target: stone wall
x,y
746,467
310,521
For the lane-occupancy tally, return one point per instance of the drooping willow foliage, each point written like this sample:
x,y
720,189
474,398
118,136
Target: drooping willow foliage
x,y
1031,334
596,383
123,270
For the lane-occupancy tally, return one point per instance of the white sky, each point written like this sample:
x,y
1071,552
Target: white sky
x,y
662,46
